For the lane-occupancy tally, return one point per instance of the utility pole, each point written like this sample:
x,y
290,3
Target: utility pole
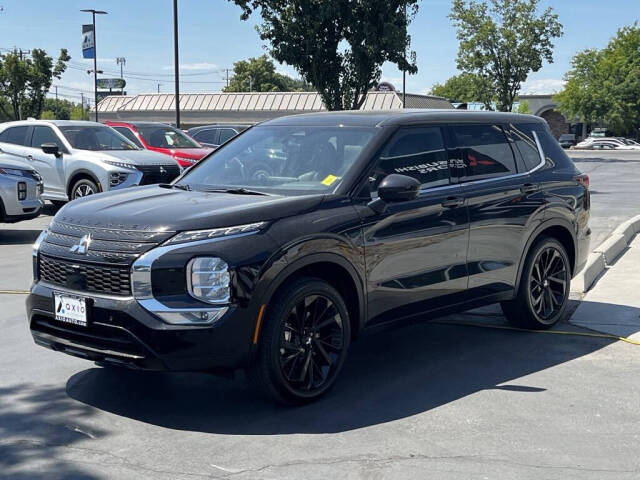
x,y
121,61
159,87
227,77
176,63
404,71
95,55
82,105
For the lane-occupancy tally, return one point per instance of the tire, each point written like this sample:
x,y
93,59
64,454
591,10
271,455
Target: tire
x,y
83,188
545,284
320,342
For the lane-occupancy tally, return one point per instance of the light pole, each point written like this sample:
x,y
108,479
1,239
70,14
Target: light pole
x,y
176,64
121,61
95,55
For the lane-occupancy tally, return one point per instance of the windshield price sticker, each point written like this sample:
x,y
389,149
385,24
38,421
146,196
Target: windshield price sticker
x,y
329,179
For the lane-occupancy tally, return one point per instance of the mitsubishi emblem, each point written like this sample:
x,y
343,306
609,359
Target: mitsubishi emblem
x,y
162,170
82,247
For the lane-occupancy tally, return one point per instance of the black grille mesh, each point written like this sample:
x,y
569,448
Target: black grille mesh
x,y
112,280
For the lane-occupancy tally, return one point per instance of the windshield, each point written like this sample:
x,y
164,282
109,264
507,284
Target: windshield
x,y
282,160
98,137
165,136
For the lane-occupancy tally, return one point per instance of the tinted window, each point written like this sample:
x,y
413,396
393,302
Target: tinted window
x,y
226,134
129,134
526,144
99,137
15,135
165,136
45,135
208,136
552,150
484,150
416,152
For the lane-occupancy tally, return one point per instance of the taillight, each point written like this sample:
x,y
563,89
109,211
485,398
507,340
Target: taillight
x,y
583,179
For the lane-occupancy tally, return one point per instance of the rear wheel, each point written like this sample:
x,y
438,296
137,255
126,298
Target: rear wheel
x,y
544,287
83,188
304,342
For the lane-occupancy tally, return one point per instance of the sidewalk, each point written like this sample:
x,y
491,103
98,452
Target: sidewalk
x,y
612,305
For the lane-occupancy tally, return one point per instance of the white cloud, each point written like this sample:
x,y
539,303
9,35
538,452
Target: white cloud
x,y
542,86
194,66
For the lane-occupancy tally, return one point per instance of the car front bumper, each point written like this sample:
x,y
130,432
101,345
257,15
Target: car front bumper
x,y
122,332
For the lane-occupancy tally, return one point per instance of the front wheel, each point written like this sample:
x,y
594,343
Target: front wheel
x,y
304,342
543,293
83,188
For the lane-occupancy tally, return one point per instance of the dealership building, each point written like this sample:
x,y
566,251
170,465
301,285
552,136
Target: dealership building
x,y
243,107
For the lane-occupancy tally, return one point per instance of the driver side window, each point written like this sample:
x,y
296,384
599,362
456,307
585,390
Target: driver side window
x,y
417,152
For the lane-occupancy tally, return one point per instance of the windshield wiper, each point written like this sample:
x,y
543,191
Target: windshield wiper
x,y
235,191
186,188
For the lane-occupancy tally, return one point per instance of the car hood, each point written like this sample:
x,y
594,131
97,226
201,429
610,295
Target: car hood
x,y
193,153
8,161
153,208
135,157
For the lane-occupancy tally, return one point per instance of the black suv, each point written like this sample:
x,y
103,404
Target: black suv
x,y
356,221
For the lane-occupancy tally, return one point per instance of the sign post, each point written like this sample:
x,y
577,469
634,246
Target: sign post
x,y
89,39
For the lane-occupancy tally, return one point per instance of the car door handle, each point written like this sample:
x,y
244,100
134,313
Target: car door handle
x,y
452,202
529,188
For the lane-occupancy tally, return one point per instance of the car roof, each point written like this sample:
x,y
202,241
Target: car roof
x,y
400,117
221,125
58,123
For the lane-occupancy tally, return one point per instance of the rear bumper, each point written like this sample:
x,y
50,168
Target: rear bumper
x,y
121,332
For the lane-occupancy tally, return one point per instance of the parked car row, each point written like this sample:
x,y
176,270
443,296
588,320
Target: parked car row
x,y
73,159
608,143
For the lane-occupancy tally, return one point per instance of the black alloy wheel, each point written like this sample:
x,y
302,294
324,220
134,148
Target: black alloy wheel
x,y
311,341
545,283
548,283
303,342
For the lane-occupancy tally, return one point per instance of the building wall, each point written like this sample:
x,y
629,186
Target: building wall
x,y
557,123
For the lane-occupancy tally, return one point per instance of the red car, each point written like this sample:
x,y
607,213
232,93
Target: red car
x,y
163,138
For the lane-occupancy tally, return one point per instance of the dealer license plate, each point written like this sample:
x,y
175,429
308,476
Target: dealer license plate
x,y
71,309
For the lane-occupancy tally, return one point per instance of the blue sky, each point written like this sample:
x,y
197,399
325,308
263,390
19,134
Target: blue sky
x,y
212,38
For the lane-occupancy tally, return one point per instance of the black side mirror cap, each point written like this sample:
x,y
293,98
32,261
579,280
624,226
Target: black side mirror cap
x,y
50,148
398,188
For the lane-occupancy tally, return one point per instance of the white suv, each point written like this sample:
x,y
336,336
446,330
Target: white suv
x,y
78,158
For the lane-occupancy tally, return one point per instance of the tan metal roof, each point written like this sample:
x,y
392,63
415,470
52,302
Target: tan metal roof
x,y
269,101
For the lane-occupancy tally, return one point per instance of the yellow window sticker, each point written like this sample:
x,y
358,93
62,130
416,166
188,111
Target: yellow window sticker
x,y
329,180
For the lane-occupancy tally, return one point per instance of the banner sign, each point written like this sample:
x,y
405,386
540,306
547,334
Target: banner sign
x,y
88,42
111,83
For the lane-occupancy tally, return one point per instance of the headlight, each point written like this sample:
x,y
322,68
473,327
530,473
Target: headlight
x,y
208,280
195,235
185,159
130,166
16,172
36,248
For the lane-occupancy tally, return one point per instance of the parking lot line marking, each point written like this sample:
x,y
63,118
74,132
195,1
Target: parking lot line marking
x,y
551,332
14,292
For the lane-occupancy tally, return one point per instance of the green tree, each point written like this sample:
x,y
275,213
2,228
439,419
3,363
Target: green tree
x,y
604,85
48,115
24,81
523,107
504,41
338,46
78,112
466,87
259,75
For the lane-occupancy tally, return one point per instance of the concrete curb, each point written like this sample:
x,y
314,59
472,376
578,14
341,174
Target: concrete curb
x,y
605,254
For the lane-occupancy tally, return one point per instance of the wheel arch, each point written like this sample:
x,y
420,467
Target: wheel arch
x,y
559,229
337,271
79,175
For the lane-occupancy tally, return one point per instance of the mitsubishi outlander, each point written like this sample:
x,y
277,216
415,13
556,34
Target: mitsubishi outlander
x,y
303,233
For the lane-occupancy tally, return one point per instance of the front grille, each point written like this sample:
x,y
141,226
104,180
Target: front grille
x,y
158,173
113,280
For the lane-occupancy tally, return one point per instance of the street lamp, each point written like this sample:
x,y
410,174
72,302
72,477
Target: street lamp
x,y
95,55
175,59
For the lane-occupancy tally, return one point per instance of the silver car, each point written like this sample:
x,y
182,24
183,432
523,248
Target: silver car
x,y
78,158
20,190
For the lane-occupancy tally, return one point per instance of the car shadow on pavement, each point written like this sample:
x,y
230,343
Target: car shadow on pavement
x,y
37,426
388,376
18,237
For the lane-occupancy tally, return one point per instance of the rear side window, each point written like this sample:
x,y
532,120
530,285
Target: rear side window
x,y
226,134
129,134
484,150
15,135
552,150
45,135
207,136
416,152
526,144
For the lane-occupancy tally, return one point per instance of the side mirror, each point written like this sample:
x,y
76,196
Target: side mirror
x,y
395,188
50,148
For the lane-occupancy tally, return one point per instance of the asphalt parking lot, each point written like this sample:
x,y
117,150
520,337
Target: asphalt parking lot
x,y
431,400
